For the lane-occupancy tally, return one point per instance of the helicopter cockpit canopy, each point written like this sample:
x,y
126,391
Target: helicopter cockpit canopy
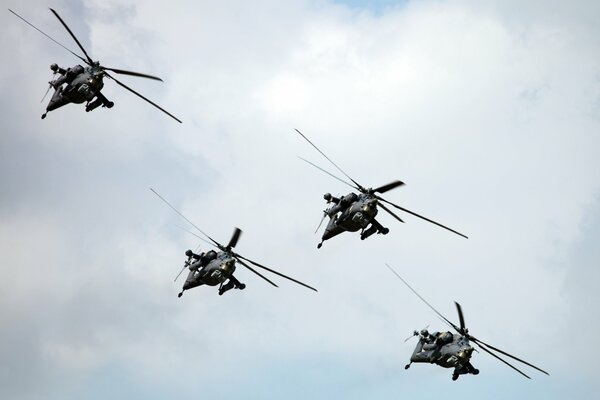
x,y
445,337
209,256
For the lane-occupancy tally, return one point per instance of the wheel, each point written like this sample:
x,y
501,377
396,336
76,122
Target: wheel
x,y
454,377
385,231
110,104
242,286
180,294
407,366
319,245
475,371
43,115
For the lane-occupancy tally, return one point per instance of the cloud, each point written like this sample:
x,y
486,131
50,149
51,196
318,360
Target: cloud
x,y
488,113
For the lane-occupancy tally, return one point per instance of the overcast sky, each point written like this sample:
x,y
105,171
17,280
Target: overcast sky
x,y
488,111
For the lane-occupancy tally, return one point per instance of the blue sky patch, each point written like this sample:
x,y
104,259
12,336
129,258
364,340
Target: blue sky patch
x,y
377,6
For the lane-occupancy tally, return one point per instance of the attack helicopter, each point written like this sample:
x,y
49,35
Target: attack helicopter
x,y
453,350
80,84
214,268
354,212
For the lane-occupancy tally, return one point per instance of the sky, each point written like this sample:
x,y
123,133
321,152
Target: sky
x,y
489,111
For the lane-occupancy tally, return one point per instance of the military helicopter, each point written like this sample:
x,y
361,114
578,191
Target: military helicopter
x,y
84,84
450,350
214,268
358,211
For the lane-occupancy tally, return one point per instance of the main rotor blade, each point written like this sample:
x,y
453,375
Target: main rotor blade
x,y
184,217
48,36
198,236
277,273
328,159
419,296
388,187
390,211
461,317
321,223
256,272
329,173
504,361
480,342
132,73
139,95
422,217
234,238
89,60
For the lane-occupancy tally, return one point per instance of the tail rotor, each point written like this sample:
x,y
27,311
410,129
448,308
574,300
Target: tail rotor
x,y
49,87
415,333
321,223
185,265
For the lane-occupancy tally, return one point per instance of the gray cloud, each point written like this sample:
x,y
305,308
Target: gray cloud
x,y
488,114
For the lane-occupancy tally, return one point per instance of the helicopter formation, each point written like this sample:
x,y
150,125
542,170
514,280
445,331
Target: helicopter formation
x,y
354,212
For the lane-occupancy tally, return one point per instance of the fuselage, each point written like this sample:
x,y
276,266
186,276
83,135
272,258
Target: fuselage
x,y
214,273
356,217
82,88
456,353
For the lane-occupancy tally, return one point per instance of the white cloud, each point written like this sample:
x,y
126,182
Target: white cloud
x,y
489,113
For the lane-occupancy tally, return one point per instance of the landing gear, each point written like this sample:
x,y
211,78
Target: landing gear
x,y
407,366
180,294
101,100
365,234
380,228
93,105
233,283
471,369
319,245
105,102
44,115
466,369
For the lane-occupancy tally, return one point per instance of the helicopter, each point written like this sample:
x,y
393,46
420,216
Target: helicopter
x,y
453,350
215,268
354,212
80,84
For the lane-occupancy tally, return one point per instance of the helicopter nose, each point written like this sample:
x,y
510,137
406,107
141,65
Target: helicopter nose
x,y
368,209
465,352
228,265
